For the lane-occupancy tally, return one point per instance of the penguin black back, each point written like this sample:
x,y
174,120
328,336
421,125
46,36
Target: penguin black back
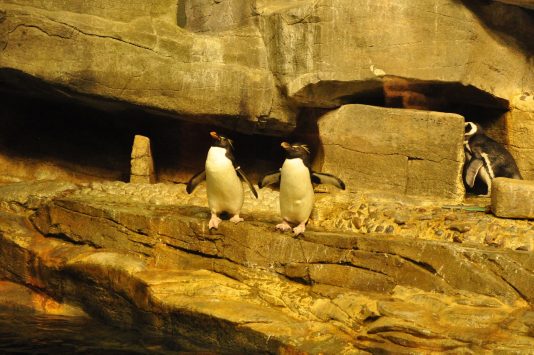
x,y
494,154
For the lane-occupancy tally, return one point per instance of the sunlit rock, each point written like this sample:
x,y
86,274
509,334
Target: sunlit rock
x,y
512,198
142,164
407,151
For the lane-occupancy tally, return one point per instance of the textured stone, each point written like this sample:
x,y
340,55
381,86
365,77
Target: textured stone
x,y
16,296
519,125
247,288
423,40
142,164
407,151
512,198
142,57
175,59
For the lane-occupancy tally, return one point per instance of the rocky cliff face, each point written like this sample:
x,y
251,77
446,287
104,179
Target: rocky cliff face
x,y
380,90
142,257
251,66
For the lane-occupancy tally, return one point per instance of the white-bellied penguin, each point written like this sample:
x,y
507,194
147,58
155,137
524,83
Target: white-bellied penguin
x,y
296,189
485,158
224,187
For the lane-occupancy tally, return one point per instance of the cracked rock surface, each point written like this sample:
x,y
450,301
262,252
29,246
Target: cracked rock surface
x,y
141,256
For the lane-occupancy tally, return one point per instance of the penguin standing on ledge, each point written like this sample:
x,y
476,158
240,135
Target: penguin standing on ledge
x,y
296,189
485,158
225,190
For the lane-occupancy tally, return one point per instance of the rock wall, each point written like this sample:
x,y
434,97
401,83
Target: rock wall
x,y
252,66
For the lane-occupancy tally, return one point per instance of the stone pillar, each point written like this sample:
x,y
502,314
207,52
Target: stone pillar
x,y
520,128
142,164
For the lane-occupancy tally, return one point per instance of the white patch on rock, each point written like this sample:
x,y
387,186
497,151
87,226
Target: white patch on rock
x,y
377,71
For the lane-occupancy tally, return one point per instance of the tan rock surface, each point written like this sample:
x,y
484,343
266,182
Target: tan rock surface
x,y
156,267
394,150
142,164
142,57
512,198
334,50
307,47
519,125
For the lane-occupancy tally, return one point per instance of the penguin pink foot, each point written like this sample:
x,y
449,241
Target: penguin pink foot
x,y
214,221
284,226
299,229
236,219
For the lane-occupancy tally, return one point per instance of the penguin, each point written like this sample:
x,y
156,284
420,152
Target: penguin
x,y
485,158
224,187
296,189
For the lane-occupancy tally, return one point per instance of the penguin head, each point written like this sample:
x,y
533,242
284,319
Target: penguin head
x,y
221,141
296,150
471,129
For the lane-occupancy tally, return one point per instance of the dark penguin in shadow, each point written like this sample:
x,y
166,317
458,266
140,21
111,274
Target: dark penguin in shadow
x,y
224,187
296,189
485,159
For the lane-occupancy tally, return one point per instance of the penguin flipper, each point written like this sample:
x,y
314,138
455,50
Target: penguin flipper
x,y
195,180
472,171
245,179
270,178
322,178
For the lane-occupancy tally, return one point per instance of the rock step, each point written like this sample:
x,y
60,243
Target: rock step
x,y
235,307
512,198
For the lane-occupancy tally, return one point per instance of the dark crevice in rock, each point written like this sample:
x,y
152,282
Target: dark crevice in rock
x,y
196,252
420,264
502,277
66,238
371,319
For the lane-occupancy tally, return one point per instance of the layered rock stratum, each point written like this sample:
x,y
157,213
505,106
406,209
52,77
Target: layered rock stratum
x,y
398,263
141,256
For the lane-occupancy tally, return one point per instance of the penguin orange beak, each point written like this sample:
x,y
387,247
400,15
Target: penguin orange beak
x,y
285,145
214,135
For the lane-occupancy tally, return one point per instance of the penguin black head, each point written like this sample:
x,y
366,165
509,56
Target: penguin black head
x,y
471,129
296,150
221,141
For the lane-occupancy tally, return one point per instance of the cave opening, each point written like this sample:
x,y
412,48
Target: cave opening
x,y
57,138
43,138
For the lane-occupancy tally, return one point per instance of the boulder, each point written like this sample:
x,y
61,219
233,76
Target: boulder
x,y
392,150
512,198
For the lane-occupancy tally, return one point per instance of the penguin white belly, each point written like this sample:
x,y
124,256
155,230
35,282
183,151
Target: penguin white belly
x,y
225,191
296,191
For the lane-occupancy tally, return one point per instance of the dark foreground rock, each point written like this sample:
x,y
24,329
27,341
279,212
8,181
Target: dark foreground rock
x,y
247,288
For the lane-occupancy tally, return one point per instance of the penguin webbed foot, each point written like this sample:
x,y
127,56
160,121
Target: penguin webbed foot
x,y
299,229
284,226
236,219
214,221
